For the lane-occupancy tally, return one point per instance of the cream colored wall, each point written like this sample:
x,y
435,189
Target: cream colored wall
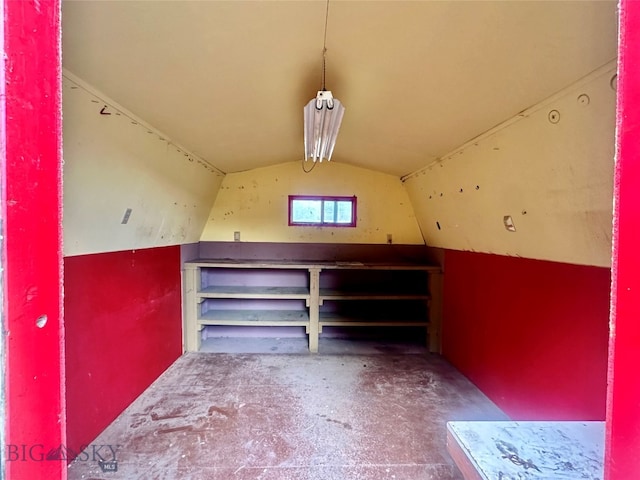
x,y
255,203
554,179
116,162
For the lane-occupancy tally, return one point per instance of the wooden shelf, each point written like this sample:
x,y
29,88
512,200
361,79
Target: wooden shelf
x,y
338,320
255,317
305,265
341,294
331,294
222,291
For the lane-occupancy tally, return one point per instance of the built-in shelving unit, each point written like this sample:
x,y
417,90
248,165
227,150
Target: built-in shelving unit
x,y
313,295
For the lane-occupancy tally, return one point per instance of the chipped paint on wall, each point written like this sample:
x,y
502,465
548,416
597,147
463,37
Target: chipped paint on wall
x,y
549,168
117,167
255,203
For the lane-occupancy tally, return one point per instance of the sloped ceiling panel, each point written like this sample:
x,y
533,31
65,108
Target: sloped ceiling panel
x,y
228,80
547,174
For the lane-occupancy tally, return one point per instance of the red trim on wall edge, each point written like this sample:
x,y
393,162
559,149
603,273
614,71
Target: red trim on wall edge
x,y
532,335
623,415
123,316
32,259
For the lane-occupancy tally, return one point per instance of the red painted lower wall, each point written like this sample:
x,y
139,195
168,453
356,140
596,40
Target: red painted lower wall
x,y
123,320
532,335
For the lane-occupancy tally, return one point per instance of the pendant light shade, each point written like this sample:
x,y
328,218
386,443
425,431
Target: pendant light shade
x,y
322,116
322,119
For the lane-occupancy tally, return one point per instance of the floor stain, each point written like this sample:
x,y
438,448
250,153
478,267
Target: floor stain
x,y
282,417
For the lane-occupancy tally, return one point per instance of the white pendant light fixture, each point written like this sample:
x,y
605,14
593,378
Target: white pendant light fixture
x,y
322,116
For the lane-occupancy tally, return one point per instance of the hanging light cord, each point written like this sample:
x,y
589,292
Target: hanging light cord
x,y
324,48
313,165
324,69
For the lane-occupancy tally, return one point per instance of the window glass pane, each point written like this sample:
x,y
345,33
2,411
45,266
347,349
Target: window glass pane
x,y
322,211
329,211
306,211
344,211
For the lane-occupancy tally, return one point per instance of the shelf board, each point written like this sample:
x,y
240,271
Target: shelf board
x,y
332,294
380,266
337,320
302,264
254,292
255,317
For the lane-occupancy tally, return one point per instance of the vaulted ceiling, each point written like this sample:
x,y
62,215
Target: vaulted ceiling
x,y
228,80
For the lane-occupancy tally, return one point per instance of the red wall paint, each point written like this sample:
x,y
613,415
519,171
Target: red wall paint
x,y
532,335
623,396
123,319
30,169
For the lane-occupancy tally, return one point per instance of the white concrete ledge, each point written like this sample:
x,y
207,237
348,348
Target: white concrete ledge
x,y
527,450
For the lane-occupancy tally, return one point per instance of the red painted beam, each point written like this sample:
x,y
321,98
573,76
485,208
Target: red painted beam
x,y
623,396
31,133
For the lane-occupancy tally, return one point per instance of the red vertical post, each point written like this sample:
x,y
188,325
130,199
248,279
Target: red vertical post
x,y
622,442
30,168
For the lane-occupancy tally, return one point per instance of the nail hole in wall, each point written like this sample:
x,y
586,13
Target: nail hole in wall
x,y
41,321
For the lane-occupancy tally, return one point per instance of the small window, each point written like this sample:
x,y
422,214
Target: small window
x,y
322,211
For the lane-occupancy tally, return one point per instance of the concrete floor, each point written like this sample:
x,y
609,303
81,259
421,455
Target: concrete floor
x,y
293,416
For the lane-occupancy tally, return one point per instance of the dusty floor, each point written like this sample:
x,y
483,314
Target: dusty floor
x,y
292,416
